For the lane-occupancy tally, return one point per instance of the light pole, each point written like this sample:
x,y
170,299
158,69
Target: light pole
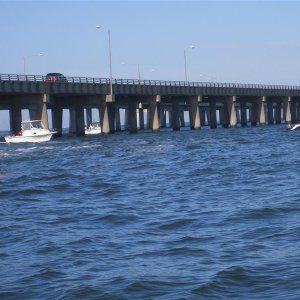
x,y
110,64
184,54
139,73
24,60
138,69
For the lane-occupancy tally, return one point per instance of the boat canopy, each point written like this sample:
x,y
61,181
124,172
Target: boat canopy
x,y
35,124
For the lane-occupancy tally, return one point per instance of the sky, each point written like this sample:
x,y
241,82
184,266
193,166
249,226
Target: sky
x,y
234,41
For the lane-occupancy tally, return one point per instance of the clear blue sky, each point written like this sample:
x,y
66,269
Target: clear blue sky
x,y
235,41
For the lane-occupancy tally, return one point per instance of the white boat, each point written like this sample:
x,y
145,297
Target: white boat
x,y
31,132
94,128
295,127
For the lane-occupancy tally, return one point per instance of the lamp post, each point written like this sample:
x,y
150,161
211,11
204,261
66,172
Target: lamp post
x,y
110,64
138,69
139,73
25,58
184,53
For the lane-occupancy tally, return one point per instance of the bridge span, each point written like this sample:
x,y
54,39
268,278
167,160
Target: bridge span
x,y
207,103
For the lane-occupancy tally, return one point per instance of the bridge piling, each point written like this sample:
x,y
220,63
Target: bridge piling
x,y
232,111
287,110
57,118
195,122
243,109
88,113
15,114
261,111
154,113
132,118
175,117
213,115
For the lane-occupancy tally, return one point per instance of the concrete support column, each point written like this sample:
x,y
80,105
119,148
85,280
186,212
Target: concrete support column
x,y
105,128
181,117
278,113
111,116
243,107
107,119
132,118
225,121
154,113
72,120
238,115
141,118
298,112
270,112
79,115
232,111
202,111
39,112
15,117
175,117
213,115
287,110
118,119
88,114
57,118
261,111
221,113
43,110
293,112
163,118
148,117
170,119
126,119
195,120
254,114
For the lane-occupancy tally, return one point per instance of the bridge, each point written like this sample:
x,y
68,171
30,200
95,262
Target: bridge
x,y
207,103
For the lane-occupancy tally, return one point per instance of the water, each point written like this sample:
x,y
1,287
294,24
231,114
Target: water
x,y
210,214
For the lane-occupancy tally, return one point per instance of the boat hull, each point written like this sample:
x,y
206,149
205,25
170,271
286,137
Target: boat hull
x,y
93,131
295,127
28,139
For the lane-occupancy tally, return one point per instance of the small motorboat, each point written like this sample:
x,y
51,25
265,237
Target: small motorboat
x,y
31,132
94,128
295,127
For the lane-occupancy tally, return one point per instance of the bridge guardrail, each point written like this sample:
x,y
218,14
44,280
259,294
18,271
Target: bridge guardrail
x,y
41,78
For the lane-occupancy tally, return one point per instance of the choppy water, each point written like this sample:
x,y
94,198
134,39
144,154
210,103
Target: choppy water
x,y
210,214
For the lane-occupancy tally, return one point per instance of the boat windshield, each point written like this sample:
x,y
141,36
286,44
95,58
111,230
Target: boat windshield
x,y
27,125
95,124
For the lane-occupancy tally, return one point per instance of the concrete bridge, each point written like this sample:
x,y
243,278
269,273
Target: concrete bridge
x,y
227,104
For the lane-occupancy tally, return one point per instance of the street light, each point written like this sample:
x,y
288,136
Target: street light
x,y
184,53
110,66
138,69
139,72
24,60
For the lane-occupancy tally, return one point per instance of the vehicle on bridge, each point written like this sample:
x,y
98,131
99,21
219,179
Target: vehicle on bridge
x,y
31,132
55,77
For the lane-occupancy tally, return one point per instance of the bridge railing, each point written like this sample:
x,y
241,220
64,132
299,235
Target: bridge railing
x,y
41,78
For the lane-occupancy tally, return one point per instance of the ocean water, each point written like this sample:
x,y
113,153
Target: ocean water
x,y
209,214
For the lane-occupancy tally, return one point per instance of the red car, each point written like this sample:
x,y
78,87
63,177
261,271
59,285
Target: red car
x,y
55,77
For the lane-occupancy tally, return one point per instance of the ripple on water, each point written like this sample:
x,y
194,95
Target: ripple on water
x,y
209,214
236,282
